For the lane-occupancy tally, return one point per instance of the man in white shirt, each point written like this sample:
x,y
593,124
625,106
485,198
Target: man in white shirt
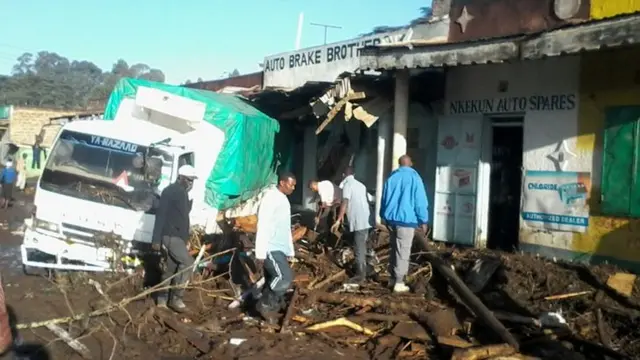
x,y
329,198
274,245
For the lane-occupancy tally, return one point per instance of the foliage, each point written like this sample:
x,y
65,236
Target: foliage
x,y
50,80
425,14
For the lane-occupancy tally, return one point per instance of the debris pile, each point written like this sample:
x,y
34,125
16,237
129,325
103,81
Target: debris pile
x,y
464,304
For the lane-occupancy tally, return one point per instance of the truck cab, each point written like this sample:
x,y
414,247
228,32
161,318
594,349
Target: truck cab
x,y
95,201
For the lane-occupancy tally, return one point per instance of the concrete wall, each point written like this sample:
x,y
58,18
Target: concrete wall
x,y
485,90
26,123
606,79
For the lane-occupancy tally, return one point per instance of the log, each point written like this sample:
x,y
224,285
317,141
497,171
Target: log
x,y
360,301
290,310
193,336
73,343
470,299
328,280
453,341
483,352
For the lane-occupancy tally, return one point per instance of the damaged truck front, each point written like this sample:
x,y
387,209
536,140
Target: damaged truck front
x,y
96,198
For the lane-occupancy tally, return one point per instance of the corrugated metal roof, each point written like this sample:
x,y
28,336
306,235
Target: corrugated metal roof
x,y
440,55
612,32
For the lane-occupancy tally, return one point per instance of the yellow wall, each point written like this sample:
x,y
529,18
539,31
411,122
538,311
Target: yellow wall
x,y
607,8
606,79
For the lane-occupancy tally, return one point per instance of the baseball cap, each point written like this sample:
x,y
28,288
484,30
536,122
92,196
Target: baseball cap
x,y
187,171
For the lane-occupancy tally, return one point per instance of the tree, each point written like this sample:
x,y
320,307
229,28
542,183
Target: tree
x,y
48,79
234,73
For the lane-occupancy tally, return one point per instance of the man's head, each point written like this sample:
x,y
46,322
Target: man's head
x,y
287,183
186,176
348,172
24,156
313,185
405,160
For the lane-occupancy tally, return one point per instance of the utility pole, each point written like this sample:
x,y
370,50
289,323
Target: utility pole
x,y
326,27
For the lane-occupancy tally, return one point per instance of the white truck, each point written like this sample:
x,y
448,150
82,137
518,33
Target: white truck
x,y
102,179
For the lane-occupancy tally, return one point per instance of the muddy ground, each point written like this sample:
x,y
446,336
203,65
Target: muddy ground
x,y
601,323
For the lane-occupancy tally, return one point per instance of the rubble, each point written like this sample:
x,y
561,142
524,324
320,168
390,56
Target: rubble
x,y
521,307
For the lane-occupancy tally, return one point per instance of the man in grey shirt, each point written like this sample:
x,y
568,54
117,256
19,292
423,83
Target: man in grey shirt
x,y
355,205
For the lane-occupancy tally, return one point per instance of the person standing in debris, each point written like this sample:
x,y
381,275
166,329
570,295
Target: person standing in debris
x,y
355,206
21,167
274,245
171,232
404,207
329,196
8,177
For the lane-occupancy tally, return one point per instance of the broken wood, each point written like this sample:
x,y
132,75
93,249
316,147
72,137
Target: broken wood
x,y
410,330
442,322
470,299
76,345
337,107
290,310
373,302
341,322
622,283
483,352
454,341
381,317
193,336
567,296
328,280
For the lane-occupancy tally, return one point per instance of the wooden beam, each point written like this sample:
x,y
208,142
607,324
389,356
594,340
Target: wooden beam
x,y
336,109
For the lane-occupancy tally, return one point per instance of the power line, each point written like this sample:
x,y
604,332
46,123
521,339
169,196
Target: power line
x,y
326,27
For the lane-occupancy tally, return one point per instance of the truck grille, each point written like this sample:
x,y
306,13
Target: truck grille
x,y
78,232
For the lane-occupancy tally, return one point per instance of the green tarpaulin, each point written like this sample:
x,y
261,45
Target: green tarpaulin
x,y
246,162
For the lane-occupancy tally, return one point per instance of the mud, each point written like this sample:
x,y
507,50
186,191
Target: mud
x,y
597,321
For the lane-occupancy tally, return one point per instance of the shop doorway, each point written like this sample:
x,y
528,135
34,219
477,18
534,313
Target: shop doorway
x,y
506,183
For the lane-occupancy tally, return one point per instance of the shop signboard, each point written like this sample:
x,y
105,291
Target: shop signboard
x,y
556,200
322,63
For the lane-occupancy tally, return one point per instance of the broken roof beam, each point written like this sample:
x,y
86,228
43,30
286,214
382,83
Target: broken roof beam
x,y
336,109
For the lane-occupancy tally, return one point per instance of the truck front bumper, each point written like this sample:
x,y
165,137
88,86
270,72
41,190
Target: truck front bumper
x,y
42,250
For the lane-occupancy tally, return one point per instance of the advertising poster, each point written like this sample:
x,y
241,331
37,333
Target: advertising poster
x,y
556,200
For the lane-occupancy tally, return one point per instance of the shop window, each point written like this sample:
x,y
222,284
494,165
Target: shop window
x,y
621,162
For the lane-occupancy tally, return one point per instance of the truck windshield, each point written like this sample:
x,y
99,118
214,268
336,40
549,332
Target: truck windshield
x,y
105,170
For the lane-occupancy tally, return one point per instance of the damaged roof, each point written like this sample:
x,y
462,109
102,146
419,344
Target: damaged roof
x,y
587,36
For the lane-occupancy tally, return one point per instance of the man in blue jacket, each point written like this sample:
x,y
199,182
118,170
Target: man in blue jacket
x,y
404,208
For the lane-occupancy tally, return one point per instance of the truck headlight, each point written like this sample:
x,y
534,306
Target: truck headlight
x,y
45,225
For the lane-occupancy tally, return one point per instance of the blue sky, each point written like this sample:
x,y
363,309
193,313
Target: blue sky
x,y
186,39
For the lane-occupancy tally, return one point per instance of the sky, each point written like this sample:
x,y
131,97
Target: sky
x,y
186,39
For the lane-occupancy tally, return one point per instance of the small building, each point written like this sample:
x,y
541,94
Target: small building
x,y
21,128
536,142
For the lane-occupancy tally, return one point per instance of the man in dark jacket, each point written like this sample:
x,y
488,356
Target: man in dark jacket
x,y
171,232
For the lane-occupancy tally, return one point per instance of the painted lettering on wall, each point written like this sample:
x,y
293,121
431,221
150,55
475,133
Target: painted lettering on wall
x,y
557,102
327,54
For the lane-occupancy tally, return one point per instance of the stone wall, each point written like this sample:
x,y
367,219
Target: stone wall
x,y
26,123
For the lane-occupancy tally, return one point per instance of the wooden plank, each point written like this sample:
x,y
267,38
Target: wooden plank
x,y
336,109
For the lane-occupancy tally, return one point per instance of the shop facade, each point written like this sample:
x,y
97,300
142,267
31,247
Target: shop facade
x,y
538,140
503,130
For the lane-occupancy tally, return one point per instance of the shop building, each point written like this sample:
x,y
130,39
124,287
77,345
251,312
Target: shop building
x,y
345,112
536,140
